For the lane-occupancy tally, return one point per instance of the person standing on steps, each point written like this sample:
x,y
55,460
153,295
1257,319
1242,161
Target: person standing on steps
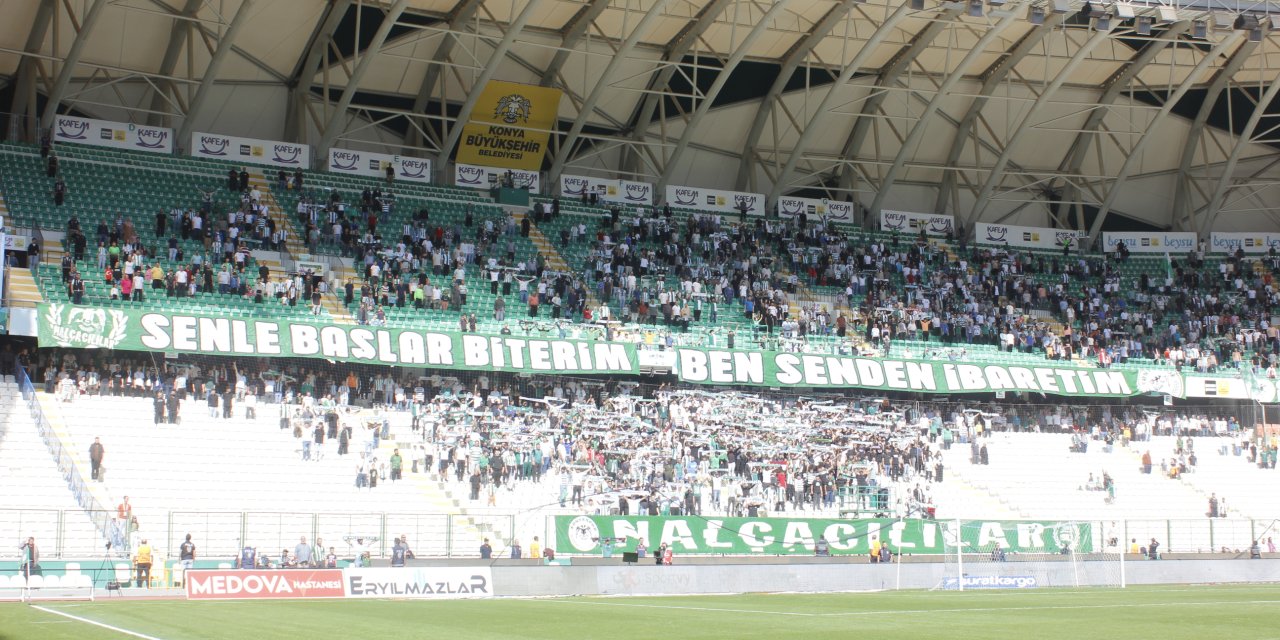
x,y
96,452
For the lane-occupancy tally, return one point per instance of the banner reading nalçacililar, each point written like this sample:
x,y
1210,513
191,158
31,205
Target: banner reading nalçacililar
x,y
66,325
777,369
797,536
510,126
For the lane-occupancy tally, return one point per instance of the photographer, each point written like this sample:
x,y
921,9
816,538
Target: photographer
x,y
30,558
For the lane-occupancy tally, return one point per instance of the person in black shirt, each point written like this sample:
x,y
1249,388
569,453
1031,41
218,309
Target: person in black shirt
x,y
244,178
187,554
398,553
486,551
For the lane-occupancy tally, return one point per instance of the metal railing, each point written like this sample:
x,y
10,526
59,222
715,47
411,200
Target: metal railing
x,y
63,458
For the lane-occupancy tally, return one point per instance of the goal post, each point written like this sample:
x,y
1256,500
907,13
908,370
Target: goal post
x,y
16,586
1028,555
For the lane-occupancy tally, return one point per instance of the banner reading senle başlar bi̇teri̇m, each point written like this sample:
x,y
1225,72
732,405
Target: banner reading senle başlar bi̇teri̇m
x,y
65,325
798,536
510,126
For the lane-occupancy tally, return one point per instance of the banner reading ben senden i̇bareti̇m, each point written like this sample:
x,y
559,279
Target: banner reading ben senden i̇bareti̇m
x,y
775,369
66,325
797,536
510,126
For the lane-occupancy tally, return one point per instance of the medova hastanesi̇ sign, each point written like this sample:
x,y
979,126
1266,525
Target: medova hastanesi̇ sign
x,y
777,369
798,536
90,327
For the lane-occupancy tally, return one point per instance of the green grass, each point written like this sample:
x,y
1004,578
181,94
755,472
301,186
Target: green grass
x,y
1166,613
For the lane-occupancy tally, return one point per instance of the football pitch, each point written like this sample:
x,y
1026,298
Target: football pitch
x,y
1167,613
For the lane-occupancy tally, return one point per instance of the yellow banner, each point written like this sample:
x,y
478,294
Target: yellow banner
x,y
510,126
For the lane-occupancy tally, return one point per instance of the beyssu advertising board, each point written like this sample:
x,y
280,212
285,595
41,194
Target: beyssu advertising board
x,y
1144,242
609,190
420,583
715,200
368,163
251,150
264,584
907,222
478,177
1029,237
816,209
1250,242
117,135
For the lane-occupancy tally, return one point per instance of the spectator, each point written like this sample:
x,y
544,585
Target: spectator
x,y
96,453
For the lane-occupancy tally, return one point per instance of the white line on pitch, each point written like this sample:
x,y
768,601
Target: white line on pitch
x,y
1136,605
95,623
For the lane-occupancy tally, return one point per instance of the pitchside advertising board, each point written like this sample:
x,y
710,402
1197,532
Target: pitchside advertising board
x,y
777,369
422,583
251,150
1157,242
88,327
368,163
479,177
117,135
609,190
715,200
1250,242
797,536
815,209
907,222
1029,237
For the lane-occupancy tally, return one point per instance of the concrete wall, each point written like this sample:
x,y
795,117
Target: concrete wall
x,y
648,579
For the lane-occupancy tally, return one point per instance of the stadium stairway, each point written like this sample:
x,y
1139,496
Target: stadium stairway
x,y
296,246
294,241
1246,489
548,251
226,481
24,293
1036,476
43,495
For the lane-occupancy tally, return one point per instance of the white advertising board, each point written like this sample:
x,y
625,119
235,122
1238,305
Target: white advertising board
x,y
907,222
117,135
1029,237
715,200
478,177
815,208
368,163
621,191
1150,242
251,150
1251,242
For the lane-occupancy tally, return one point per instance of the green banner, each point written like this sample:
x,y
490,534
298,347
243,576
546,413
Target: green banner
x,y
797,536
779,369
65,325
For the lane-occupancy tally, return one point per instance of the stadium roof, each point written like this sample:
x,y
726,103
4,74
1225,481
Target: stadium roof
x,y
1061,112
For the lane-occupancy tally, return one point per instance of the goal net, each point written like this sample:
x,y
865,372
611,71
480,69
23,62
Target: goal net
x,y
1028,555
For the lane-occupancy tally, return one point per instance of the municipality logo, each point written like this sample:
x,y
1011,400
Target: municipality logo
x,y
72,129
85,327
1064,237
513,108
583,533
